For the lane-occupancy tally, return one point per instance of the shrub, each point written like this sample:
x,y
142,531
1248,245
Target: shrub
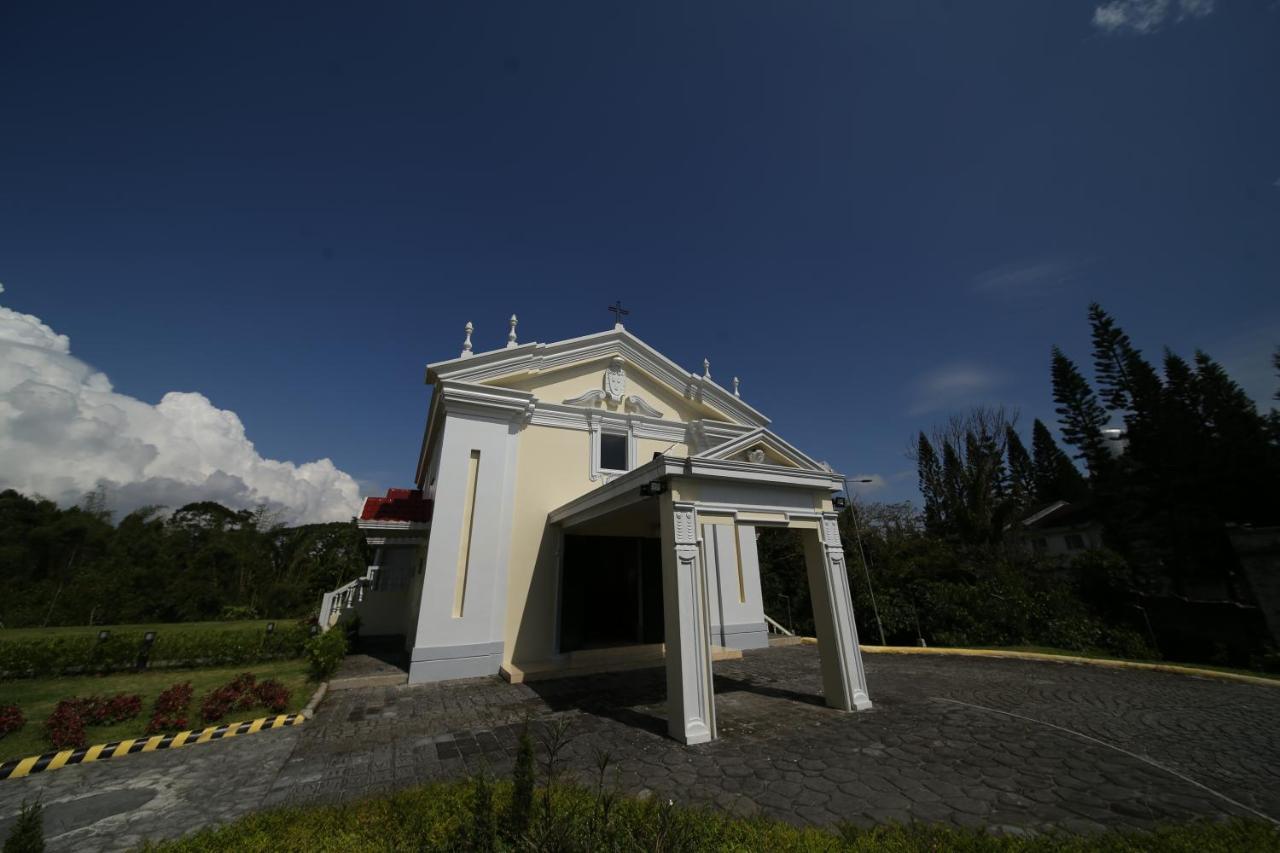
x,y
522,786
326,651
100,711
27,835
272,695
33,657
11,719
242,693
65,726
170,710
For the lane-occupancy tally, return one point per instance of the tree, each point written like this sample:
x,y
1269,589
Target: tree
x,y
1056,478
1128,383
930,474
1022,476
1080,415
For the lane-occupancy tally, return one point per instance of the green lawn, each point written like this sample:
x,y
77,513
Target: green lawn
x,y
38,696
443,816
1049,650
79,630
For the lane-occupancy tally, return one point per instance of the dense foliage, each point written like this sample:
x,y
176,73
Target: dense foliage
x,y
203,561
1172,460
27,656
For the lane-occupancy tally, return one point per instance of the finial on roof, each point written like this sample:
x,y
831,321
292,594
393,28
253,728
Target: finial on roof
x,y
466,344
706,368
735,387
511,335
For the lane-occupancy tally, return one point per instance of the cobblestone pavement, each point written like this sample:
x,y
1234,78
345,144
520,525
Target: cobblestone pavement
x,y
1006,744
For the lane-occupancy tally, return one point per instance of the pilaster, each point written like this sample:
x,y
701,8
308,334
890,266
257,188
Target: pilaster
x,y
844,682
691,712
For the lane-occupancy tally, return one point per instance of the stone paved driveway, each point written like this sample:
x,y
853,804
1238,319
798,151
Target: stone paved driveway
x,y
972,741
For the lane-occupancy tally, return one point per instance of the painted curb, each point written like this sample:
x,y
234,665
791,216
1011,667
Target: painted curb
x,y
309,711
1105,662
20,767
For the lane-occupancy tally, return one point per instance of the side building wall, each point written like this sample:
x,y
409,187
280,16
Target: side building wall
x,y
461,606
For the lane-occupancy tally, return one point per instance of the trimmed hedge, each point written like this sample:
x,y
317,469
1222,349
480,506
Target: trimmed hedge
x,y
37,657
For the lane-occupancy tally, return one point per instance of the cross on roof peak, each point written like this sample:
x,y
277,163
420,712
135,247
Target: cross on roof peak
x,y
618,313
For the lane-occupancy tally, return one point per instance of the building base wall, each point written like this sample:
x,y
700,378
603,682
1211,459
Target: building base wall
x,y
748,636
442,663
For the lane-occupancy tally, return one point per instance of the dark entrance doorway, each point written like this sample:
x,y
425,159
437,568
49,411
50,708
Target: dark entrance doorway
x,y
611,592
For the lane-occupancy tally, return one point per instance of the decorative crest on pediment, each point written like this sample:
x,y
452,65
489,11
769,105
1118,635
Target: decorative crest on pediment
x,y
614,390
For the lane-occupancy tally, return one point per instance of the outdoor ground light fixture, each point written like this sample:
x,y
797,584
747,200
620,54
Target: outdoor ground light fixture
x,y
149,637
271,627
102,635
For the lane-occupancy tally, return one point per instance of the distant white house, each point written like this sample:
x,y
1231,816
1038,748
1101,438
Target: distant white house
x,y
591,494
1060,531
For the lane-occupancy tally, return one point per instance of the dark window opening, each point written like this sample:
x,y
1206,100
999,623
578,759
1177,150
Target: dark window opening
x,y
613,452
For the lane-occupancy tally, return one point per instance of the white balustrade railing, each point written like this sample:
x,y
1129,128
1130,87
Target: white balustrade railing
x,y
776,628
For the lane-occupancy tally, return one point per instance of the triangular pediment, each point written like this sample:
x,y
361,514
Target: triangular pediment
x,y
763,447
574,372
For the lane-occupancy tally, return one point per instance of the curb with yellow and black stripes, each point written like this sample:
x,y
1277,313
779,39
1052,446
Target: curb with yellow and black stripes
x,y
20,767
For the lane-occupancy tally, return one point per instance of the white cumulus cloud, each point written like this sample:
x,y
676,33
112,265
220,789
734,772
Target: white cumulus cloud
x,y
64,431
1146,16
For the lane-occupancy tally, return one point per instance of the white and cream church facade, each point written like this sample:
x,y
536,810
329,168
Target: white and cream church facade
x,y
591,495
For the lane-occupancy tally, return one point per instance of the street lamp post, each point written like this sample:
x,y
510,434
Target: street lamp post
x,y
853,515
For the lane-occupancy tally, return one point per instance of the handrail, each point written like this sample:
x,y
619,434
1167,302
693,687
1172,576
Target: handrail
x,y
776,628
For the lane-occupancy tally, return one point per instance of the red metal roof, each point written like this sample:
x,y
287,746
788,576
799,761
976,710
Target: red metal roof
x,y
398,505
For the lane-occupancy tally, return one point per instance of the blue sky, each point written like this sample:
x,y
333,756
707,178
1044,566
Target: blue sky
x,y
873,213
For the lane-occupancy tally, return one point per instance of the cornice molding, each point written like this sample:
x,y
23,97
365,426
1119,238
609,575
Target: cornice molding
x,y
535,358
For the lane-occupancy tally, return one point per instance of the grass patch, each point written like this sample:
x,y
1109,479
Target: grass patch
x,y
1050,650
36,697
178,627
442,816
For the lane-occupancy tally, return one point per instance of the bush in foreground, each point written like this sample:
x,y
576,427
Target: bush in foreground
x,y
27,833
440,817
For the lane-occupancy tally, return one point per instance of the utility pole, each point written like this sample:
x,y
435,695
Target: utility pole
x,y
853,515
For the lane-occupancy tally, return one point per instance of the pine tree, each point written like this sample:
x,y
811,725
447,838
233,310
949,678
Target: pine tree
x,y
1056,478
1022,478
1128,382
930,472
1080,415
953,489
1111,348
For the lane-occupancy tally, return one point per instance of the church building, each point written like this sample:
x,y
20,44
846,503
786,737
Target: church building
x,y
586,502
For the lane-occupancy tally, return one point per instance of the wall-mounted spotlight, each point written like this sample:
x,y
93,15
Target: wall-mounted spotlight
x,y
839,502
652,488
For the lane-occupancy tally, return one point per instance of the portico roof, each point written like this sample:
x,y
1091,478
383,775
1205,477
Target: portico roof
x,y
750,477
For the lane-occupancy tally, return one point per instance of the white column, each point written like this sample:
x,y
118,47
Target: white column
x,y
691,709
843,681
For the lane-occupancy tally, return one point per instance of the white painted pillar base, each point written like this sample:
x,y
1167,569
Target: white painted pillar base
x,y
691,709
844,682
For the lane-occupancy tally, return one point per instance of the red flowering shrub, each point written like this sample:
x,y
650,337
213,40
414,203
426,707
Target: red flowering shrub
x,y
272,695
170,710
11,719
99,710
242,693
65,726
